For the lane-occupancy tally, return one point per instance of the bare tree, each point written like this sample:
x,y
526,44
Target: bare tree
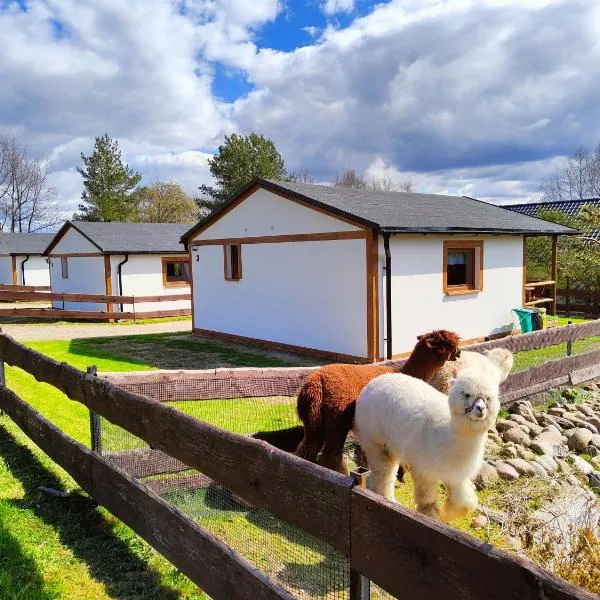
x,y
304,175
350,179
27,201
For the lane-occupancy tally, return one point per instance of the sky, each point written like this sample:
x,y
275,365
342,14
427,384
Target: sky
x,y
483,98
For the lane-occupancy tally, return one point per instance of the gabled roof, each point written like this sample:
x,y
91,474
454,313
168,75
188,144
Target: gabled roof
x,y
127,238
402,212
23,244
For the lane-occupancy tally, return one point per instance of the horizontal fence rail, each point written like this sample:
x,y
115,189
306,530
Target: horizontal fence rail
x,y
408,555
14,296
24,288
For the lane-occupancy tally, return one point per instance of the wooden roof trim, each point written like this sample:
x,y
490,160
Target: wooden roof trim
x,y
62,232
257,184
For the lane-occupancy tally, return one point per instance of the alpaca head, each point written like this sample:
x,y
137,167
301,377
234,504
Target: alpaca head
x,y
473,400
502,359
440,345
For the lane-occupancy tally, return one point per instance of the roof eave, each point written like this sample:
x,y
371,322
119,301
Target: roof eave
x,y
476,231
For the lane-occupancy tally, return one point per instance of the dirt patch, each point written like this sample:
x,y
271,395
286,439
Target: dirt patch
x,y
186,351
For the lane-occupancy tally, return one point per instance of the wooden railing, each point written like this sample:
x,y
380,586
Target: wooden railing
x,y
60,313
408,555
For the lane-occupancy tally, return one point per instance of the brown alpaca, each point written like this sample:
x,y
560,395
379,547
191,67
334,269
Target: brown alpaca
x,y
327,400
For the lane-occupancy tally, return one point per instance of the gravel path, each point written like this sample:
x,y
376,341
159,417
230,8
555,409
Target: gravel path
x,y
69,332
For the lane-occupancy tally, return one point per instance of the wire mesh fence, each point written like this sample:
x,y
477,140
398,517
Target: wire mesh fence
x,y
298,561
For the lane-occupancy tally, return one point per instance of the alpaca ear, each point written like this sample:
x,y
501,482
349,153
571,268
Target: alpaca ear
x,y
451,382
419,337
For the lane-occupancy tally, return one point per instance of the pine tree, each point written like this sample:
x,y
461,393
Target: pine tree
x,y
238,160
108,184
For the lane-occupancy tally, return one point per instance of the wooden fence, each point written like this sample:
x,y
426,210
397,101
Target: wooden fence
x,y
408,555
22,295
578,300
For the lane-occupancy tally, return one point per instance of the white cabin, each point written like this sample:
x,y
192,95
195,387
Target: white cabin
x,y
119,259
21,260
304,267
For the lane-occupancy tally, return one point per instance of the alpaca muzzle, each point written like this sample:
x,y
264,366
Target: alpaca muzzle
x,y
479,409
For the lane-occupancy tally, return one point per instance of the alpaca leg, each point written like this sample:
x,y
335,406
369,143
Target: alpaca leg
x,y
461,499
383,467
426,496
333,454
310,445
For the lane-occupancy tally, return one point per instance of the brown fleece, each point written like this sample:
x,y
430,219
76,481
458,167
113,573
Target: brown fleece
x,y
327,400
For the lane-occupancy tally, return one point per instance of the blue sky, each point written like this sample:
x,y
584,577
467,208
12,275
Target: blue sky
x,y
478,97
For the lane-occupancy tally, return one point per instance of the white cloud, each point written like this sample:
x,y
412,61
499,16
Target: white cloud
x,y
331,7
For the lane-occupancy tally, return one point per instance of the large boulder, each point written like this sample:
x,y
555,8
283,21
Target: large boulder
x,y
583,466
486,477
506,471
504,424
547,462
522,467
542,447
517,436
524,410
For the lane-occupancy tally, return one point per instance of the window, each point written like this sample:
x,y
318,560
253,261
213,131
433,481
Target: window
x,y
463,267
233,262
176,272
64,265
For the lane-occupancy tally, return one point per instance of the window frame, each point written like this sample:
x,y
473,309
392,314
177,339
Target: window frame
x,y
228,267
171,260
476,246
64,267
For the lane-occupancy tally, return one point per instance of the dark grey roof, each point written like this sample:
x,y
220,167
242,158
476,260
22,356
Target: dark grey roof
x,y
569,207
22,244
402,212
128,238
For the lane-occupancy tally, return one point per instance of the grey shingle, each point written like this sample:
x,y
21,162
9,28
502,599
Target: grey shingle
x,y
410,212
569,207
21,244
133,238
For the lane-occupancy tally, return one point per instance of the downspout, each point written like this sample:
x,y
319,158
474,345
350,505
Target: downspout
x,y
120,277
23,269
388,294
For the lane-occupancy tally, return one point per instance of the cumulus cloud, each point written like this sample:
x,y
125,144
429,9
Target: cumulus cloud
x,y
331,7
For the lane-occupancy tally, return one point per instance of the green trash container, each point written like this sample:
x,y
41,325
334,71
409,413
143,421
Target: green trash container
x,y
525,320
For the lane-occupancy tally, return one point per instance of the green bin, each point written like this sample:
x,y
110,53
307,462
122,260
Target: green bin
x,y
525,320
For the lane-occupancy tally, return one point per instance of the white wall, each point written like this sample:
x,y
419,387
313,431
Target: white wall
x,y
6,273
86,276
420,305
142,276
73,242
310,294
37,271
264,213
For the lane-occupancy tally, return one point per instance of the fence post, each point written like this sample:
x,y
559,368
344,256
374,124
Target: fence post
x,y
133,305
2,375
360,586
569,342
95,422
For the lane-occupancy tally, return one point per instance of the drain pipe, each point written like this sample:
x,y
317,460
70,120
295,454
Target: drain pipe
x,y
388,294
121,277
23,269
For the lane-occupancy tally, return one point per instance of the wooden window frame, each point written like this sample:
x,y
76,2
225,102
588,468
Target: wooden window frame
x,y
477,247
64,267
169,260
228,269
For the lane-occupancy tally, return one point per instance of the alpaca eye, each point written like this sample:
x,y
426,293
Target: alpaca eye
x,y
467,395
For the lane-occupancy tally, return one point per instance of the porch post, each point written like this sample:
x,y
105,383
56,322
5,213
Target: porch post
x,y
554,275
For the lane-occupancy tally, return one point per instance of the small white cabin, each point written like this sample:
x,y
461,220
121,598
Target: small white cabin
x,y
356,274
21,260
119,259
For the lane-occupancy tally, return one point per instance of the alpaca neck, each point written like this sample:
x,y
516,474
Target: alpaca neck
x,y
420,367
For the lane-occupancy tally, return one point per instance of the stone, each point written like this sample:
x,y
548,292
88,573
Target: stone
x,y
563,465
517,436
494,437
479,522
547,462
522,467
564,422
517,418
534,429
595,441
592,451
594,480
580,439
582,465
558,450
508,451
504,424
557,411
596,463
595,421
586,410
486,477
505,471
525,453
539,470
525,428
581,423
572,479
541,447
544,419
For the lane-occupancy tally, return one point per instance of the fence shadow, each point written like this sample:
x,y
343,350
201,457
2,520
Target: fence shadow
x,y
81,527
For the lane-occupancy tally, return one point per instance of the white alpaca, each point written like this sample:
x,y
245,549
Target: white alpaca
x,y
403,420
497,358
